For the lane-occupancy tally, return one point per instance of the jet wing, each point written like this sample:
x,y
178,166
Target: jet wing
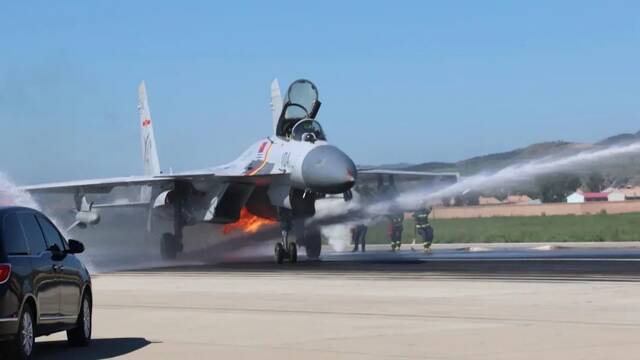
x,y
399,177
93,185
106,185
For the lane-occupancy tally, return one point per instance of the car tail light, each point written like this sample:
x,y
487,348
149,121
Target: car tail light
x,y
5,272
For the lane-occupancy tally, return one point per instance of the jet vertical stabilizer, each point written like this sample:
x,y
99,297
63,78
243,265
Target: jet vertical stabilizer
x,y
276,103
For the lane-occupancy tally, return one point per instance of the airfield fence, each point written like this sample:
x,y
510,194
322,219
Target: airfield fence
x,y
484,211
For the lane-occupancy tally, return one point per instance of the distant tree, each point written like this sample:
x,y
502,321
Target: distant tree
x,y
595,182
500,194
470,198
556,187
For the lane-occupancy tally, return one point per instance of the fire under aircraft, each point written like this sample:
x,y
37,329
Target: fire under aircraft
x,y
279,177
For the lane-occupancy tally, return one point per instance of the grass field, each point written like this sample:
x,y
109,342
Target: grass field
x,y
587,228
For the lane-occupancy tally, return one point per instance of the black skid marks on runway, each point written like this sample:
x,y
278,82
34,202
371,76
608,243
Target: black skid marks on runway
x,y
521,265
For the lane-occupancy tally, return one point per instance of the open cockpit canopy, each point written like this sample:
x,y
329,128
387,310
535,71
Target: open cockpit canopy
x,y
300,103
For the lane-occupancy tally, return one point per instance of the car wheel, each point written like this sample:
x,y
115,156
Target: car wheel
x,y
81,334
22,346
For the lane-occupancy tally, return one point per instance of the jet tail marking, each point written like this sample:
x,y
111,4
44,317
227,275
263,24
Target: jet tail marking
x,y
149,149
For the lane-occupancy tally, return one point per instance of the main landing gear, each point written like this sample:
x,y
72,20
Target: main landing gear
x,y
171,244
313,243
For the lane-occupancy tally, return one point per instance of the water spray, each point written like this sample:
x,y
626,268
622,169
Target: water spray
x,y
358,213
518,173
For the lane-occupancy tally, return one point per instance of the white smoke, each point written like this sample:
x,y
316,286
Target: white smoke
x,y
339,236
10,194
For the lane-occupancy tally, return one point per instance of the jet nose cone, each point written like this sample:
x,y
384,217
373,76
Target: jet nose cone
x,y
327,169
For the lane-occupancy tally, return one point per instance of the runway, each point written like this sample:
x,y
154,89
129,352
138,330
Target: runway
x,y
603,262
457,303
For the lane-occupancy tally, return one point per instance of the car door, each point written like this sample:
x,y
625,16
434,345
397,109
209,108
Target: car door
x,y
71,291
69,272
46,286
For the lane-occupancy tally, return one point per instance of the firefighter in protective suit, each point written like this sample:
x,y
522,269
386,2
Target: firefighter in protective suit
x,y
396,226
423,227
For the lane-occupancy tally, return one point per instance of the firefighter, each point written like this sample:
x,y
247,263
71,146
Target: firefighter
x,y
396,225
423,227
359,235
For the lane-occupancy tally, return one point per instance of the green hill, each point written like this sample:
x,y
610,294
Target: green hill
x,y
626,167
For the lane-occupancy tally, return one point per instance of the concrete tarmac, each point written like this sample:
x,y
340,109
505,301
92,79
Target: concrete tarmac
x,y
499,303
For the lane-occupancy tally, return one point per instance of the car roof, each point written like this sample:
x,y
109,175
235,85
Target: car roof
x,y
10,209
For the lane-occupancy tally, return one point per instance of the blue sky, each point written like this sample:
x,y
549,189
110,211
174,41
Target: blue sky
x,y
400,81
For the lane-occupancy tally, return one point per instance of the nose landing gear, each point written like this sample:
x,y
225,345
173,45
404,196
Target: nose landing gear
x,y
281,253
285,249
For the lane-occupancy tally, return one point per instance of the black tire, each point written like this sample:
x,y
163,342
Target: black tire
x,y
81,335
293,253
168,247
313,244
21,348
279,253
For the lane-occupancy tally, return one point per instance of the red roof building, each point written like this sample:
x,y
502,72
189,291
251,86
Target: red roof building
x,y
596,196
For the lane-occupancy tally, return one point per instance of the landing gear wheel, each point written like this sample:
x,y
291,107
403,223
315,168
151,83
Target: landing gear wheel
x,y
293,253
81,335
313,244
169,247
22,346
279,253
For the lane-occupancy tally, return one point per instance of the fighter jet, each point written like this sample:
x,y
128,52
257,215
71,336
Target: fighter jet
x,y
279,177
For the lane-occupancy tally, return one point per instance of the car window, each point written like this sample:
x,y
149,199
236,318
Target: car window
x,y
13,239
51,234
33,233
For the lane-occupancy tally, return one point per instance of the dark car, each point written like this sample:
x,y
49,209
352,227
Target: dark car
x,y
44,288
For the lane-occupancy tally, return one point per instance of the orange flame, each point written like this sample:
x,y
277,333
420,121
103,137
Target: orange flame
x,y
248,223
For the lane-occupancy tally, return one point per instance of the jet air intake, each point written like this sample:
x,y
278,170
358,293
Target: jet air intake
x,y
84,218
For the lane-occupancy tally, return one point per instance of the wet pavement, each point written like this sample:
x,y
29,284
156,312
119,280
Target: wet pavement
x,y
538,261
